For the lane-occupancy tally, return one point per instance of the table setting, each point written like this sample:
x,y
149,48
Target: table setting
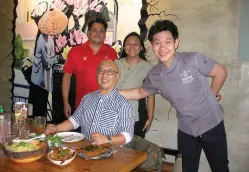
x,y
24,142
27,143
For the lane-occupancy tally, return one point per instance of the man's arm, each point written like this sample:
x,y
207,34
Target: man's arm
x,y
219,74
134,94
124,126
71,123
65,93
64,126
100,139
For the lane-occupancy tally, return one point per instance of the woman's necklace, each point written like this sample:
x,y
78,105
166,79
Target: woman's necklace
x,y
129,66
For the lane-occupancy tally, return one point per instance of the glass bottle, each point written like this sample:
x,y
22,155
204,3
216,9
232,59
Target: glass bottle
x,y
5,124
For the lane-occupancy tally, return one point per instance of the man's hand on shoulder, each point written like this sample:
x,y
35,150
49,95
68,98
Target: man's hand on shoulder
x,y
134,94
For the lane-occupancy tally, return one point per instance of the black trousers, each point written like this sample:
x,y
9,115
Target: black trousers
x,y
214,145
139,125
38,96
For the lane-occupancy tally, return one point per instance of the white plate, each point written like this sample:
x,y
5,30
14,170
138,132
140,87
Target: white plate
x,y
71,136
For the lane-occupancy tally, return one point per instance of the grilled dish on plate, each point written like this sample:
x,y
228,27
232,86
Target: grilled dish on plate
x,y
94,152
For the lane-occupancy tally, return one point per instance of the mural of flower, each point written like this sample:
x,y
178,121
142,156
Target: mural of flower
x,y
78,12
81,3
108,40
70,2
71,39
96,5
117,47
61,41
65,51
77,37
73,9
60,4
39,10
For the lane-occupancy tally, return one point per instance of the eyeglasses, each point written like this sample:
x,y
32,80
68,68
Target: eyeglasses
x,y
108,71
95,31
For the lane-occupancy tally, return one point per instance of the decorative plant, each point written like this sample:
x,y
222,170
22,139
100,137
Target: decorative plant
x,y
20,52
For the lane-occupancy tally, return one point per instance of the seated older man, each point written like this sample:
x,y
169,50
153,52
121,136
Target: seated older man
x,y
106,117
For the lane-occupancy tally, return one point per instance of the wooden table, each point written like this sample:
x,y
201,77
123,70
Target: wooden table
x,y
124,160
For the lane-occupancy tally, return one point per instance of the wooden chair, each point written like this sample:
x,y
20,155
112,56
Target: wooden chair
x,y
172,167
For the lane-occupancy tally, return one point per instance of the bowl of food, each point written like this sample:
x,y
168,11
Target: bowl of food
x,y
25,151
61,155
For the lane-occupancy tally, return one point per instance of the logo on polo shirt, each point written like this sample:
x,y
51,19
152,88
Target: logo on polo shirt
x,y
186,78
84,57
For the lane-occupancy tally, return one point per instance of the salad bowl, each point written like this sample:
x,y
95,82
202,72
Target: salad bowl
x,y
24,152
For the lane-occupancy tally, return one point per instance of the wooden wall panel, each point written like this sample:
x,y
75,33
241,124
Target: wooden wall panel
x,y
6,49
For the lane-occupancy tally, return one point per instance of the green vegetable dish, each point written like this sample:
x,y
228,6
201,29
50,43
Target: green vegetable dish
x,y
54,140
22,147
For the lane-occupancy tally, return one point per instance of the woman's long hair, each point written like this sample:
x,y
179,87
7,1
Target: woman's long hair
x,y
142,52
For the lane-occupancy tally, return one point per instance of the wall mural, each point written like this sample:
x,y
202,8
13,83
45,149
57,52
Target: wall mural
x,y
45,33
42,43
152,10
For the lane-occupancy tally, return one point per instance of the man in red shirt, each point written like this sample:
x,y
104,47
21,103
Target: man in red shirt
x,y
83,61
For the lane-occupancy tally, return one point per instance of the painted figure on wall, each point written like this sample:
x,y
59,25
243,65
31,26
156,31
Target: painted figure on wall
x,y
45,56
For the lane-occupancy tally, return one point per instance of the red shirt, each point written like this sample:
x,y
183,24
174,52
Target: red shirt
x,y
82,61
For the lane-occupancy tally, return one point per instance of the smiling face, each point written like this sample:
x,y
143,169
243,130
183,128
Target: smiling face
x,y
107,76
132,46
164,47
97,33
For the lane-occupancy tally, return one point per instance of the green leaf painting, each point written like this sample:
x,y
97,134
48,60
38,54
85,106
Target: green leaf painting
x,y
20,52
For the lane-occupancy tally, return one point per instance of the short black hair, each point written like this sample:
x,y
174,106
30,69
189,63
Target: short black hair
x,y
163,25
97,20
142,52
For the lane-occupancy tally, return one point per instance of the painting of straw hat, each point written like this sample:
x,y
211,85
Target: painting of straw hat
x,y
53,22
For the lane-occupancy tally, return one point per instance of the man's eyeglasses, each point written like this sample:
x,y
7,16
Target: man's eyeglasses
x,y
95,31
108,71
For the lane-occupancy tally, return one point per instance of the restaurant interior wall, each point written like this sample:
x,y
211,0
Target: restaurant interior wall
x,y
207,26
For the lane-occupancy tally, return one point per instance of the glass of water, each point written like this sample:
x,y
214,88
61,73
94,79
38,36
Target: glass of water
x,y
24,132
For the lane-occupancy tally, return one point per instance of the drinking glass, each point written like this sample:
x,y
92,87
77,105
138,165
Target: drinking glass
x,y
31,123
2,132
24,132
9,137
15,129
21,122
40,124
5,126
21,110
